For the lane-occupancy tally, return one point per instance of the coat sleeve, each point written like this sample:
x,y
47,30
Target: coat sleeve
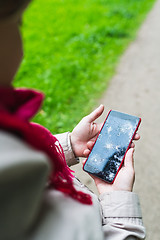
x,y
121,216
65,142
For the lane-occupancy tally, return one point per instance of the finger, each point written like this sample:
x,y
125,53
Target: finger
x,y
129,161
132,145
96,129
99,126
95,114
136,137
86,152
90,144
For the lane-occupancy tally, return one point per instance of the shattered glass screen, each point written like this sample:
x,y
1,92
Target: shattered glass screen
x,y
111,145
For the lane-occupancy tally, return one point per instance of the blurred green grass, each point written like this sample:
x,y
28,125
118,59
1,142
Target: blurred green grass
x,y
72,48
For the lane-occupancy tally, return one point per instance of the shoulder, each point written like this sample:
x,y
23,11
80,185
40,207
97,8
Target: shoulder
x,y
23,175
13,149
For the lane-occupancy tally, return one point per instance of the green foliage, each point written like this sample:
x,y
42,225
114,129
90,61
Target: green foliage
x,y
71,50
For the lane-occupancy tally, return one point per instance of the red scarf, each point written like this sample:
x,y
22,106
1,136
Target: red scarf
x,y
17,107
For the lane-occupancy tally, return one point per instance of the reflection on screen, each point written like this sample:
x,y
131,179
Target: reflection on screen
x,y
111,145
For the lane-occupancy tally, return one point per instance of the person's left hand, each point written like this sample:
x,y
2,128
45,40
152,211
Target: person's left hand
x,y
85,133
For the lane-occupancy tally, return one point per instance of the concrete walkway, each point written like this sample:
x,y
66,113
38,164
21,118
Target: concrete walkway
x,y
135,89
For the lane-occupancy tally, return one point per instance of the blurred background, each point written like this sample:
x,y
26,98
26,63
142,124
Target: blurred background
x,y
83,53
71,50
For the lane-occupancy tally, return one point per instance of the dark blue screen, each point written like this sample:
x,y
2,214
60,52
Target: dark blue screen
x,y
111,145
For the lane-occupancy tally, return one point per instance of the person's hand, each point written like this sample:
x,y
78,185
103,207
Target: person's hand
x,y
85,133
125,178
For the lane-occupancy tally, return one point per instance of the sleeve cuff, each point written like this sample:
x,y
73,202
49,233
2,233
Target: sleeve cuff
x,y
120,204
65,142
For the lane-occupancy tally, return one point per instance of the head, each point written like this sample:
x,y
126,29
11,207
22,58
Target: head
x,y
11,50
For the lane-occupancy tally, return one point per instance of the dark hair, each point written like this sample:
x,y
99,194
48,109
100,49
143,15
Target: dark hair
x,y
10,7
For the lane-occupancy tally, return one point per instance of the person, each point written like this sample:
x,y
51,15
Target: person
x,y
39,197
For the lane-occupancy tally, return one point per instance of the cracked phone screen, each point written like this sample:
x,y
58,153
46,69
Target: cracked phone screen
x,y
108,152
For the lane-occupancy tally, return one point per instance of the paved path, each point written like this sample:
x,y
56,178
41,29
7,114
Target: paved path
x,y
135,89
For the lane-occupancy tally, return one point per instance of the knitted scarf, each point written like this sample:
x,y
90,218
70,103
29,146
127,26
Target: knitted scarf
x,y
17,107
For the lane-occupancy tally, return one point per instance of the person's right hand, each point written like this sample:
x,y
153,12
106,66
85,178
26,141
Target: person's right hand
x,y
124,180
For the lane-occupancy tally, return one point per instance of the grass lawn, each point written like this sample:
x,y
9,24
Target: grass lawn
x,y
72,48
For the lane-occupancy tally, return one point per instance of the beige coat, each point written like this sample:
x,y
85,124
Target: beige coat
x,y
30,212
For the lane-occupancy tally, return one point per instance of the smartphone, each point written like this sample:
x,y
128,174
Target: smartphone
x,y
111,145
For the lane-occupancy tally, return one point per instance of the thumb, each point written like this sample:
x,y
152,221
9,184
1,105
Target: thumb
x,y
129,161
96,113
